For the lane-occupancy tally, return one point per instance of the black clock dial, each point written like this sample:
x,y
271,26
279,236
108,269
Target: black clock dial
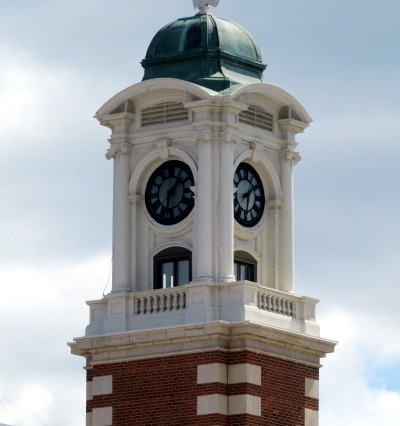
x,y
168,196
249,199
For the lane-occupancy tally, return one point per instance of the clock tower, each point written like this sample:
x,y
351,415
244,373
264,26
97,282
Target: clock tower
x,y
202,325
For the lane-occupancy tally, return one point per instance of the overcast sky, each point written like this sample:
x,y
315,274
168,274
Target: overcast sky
x,y
61,60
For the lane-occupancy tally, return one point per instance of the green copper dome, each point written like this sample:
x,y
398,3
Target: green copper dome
x,y
205,50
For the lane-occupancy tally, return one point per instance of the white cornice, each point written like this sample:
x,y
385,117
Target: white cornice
x,y
217,336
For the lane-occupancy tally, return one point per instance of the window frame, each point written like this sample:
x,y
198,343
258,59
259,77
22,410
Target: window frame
x,y
172,255
242,258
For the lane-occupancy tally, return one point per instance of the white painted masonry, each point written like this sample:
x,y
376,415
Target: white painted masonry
x,y
212,404
311,418
312,388
244,373
102,385
89,391
212,373
244,404
229,406
102,416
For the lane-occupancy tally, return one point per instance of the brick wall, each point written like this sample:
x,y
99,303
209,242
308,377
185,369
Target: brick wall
x,y
206,389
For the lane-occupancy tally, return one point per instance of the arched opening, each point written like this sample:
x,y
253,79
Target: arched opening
x,y
172,267
245,266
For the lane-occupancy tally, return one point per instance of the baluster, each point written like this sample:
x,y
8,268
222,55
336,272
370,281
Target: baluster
x,y
184,300
138,306
294,313
281,306
274,305
269,303
145,305
165,302
289,308
284,307
171,302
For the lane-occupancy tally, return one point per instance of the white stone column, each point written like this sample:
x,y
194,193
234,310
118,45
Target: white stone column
x,y
274,213
225,210
288,157
203,240
121,218
135,202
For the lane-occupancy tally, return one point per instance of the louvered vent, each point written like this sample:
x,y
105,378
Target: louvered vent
x,y
167,112
257,117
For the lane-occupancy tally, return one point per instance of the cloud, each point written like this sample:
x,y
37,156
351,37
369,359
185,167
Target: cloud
x,y
348,395
42,309
54,159
29,406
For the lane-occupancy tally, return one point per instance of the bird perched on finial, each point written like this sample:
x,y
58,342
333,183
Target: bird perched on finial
x,y
204,5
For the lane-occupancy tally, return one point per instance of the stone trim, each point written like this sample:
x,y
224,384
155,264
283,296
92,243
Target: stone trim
x,y
244,404
312,388
212,373
212,404
311,418
89,391
89,419
194,338
102,416
244,373
102,385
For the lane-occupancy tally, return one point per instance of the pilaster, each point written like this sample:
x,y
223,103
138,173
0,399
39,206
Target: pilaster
x,y
203,241
225,209
121,280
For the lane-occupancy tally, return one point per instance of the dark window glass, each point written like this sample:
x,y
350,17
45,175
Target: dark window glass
x,y
245,267
172,267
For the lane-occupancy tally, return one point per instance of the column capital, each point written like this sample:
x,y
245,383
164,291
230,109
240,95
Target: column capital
x,y
287,153
204,136
227,136
118,149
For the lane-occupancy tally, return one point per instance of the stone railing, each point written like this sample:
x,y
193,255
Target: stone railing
x,y
200,303
278,304
160,301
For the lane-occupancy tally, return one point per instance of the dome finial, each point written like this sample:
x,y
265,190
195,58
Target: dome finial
x,y
204,5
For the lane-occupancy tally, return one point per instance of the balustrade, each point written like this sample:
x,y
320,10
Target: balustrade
x,y
277,304
160,301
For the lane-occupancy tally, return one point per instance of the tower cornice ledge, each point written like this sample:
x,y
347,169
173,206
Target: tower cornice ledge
x,y
216,336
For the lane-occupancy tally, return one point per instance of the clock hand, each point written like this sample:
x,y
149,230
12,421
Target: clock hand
x,y
171,191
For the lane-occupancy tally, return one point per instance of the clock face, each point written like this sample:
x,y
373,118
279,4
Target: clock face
x,y
249,199
168,196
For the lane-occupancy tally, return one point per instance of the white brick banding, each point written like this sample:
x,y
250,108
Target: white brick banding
x,y
212,404
212,373
244,373
311,418
102,416
312,388
102,385
244,404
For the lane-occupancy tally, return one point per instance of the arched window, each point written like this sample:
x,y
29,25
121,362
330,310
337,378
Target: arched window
x,y
172,267
245,267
